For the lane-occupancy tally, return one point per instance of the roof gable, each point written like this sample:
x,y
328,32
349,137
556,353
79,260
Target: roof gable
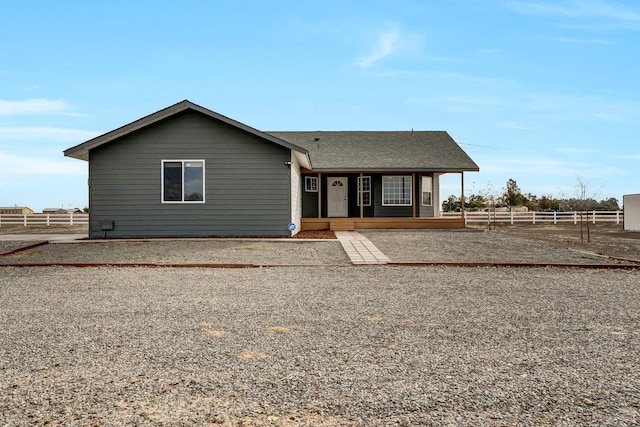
x,y
382,151
81,151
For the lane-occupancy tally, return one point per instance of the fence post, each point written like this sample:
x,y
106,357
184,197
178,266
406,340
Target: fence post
x,y
511,217
575,218
25,220
48,219
555,217
594,217
617,217
534,217
71,218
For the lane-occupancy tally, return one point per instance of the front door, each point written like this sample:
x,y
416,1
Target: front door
x,y
337,206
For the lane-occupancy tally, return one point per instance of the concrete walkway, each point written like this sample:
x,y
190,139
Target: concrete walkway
x,y
361,251
42,237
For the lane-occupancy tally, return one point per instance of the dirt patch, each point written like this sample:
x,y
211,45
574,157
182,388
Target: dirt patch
x,y
315,234
43,229
604,239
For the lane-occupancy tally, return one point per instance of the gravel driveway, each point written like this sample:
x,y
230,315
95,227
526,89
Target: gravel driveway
x,y
398,245
208,251
346,345
473,246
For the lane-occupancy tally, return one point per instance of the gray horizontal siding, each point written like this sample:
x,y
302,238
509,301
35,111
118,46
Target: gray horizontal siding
x,y
246,181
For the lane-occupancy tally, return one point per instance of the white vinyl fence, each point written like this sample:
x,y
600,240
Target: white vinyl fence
x,y
27,220
532,217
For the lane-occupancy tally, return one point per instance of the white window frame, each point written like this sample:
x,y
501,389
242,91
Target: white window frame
x,y
429,180
385,189
311,184
365,178
183,201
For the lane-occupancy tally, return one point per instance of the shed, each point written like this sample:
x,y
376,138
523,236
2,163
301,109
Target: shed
x,y
631,204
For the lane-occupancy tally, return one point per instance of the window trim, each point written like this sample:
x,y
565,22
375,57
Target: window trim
x,y
406,177
308,186
430,190
183,201
364,177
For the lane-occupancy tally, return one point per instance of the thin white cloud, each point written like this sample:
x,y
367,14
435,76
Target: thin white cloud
x,y
573,40
388,43
37,133
12,165
535,109
606,14
518,126
577,150
32,106
549,167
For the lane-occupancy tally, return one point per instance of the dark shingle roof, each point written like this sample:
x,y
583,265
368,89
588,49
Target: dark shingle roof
x,y
383,151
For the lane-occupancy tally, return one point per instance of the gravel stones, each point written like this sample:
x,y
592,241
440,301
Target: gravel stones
x,y
383,345
472,246
187,251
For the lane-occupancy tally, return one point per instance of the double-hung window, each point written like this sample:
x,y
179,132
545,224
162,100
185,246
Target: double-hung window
x,y
396,190
366,191
183,181
311,184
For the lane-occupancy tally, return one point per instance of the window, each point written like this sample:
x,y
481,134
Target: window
x,y
183,181
396,190
311,184
366,191
427,189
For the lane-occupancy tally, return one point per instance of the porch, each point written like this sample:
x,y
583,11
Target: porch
x,y
348,224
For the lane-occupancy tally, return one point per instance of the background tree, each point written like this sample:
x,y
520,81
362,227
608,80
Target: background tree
x,y
548,203
611,204
475,202
452,204
512,194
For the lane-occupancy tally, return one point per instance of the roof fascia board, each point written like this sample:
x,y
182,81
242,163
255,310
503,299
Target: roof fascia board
x,y
394,170
303,159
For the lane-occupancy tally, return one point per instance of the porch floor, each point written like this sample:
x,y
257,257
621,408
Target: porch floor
x,y
349,224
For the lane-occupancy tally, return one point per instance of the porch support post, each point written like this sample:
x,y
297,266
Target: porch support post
x,y
462,193
361,196
319,195
414,189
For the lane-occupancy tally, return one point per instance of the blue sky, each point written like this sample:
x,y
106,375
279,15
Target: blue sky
x,y
543,92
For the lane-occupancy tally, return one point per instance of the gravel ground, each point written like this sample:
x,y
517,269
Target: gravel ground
x,y
211,251
473,246
398,245
6,246
319,346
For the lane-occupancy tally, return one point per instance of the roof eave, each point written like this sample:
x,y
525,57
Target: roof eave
x,y
396,170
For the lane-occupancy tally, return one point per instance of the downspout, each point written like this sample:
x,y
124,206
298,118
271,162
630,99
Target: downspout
x,y
90,193
291,207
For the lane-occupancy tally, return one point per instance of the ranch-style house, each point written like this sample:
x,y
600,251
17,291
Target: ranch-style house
x,y
188,171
